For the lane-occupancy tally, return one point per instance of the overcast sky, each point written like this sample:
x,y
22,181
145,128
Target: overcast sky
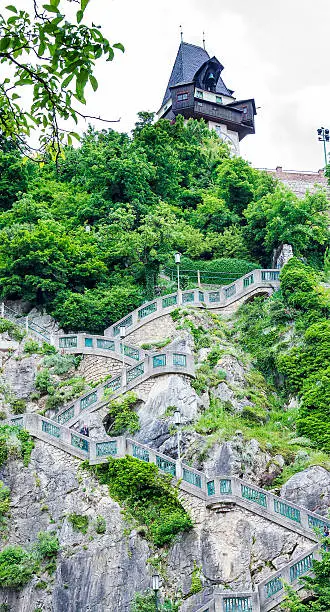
x,y
274,51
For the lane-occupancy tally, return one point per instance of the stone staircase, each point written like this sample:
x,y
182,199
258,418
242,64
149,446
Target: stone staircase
x,y
220,493
31,327
229,491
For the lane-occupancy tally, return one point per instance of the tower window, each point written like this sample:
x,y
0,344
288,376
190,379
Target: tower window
x,y
245,110
182,96
218,99
199,93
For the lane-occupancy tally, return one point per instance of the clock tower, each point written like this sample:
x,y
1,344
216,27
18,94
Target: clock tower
x,y
196,89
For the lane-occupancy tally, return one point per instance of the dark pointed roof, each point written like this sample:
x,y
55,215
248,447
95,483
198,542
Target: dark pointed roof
x,y
188,60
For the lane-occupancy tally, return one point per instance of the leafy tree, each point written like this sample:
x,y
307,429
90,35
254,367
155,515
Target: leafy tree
x,y
319,585
55,59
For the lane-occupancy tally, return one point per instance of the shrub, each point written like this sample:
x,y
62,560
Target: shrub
x,y
4,503
16,442
44,382
100,525
47,545
79,522
17,567
61,364
18,406
148,497
31,347
121,416
14,331
146,603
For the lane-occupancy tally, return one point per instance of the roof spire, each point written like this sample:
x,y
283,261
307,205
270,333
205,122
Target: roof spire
x,y
204,41
181,33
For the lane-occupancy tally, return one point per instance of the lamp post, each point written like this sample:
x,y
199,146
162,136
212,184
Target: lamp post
x,y
177,421
177,261
324,136
155,588
122,335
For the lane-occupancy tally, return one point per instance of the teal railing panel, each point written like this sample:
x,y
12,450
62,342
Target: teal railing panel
x,y
179,360
254,495
107,345
270,275
225,486
192,478
314,523
210,487
273,586
130,351
301,567
89,342
169,301
66,416
68,342
229,291
159,361
88,401
135,372
80,443
128,322
51,429
140,453
165,465
237,604
286,510
201,296
214,296
113,384
17,422
248,280
147,310
188,297
105,449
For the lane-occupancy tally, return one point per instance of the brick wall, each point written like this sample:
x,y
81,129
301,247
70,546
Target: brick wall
x,y
93,367
300,181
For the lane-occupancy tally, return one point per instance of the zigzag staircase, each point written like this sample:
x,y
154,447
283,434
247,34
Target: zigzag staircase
x,y
219,492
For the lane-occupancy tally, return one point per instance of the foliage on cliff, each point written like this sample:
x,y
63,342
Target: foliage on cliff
x,y
148,497
318,585
87,239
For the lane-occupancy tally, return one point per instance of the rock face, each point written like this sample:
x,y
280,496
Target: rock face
x,y
310,488
102,572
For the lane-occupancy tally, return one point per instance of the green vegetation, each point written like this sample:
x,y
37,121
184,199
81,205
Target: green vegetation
x,y
14,331
15,442
17,565
319,586
147,497
100,525
122,416
4,504
146,603
196,583
156,345
170,187
59,391
79,522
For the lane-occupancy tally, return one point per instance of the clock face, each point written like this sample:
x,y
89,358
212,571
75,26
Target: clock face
x,y
228,140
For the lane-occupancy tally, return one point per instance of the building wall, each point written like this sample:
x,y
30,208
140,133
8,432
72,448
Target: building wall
x,y
299,181
213,125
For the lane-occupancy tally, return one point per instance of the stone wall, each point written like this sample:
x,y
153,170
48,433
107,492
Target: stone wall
x,y
94,368
300,181
154,331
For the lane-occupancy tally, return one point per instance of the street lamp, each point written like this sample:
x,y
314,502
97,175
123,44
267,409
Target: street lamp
x,y
177,421
122,335
177,261
324,136
155,588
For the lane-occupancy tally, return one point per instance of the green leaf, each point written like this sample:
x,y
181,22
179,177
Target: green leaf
x,y
50,8
93,82
55,2
80,15
15,96
4,43
119,46
84,4
75,135
11,8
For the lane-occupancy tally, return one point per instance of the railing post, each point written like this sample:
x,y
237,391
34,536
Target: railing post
x,y
179,297
2,310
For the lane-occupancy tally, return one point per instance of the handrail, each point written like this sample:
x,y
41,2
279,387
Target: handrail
x,y
199,298
270,591
24,321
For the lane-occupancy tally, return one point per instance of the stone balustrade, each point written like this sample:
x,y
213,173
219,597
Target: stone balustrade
x,y
89,344
217,299
220,488
167,362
